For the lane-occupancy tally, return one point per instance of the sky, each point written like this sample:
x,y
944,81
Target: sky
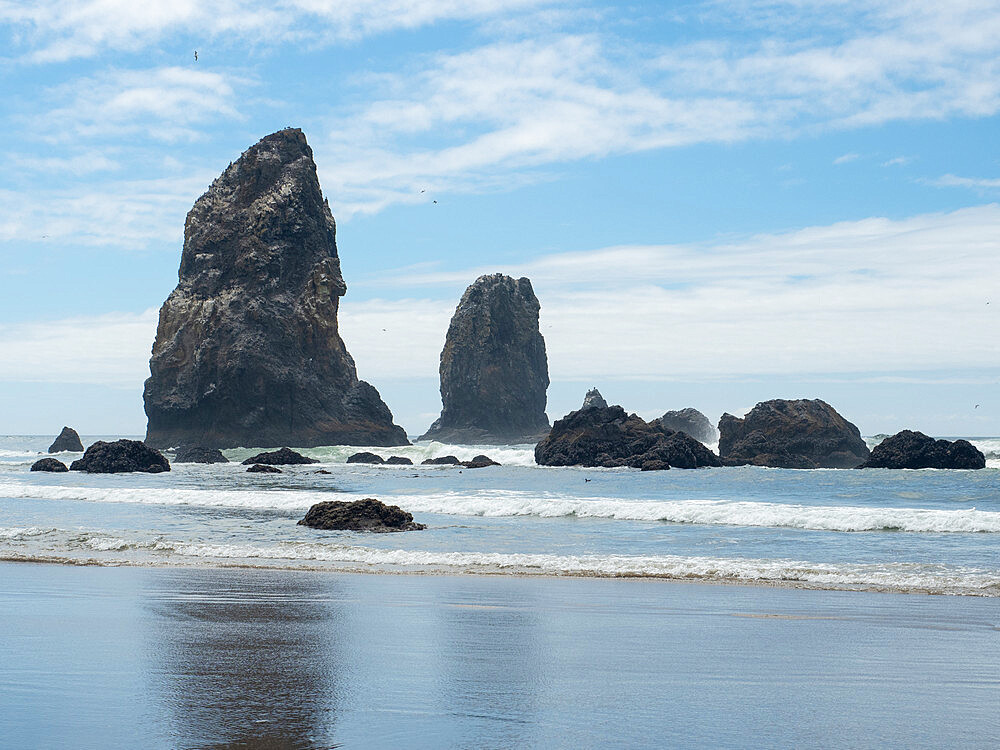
x,y
717,202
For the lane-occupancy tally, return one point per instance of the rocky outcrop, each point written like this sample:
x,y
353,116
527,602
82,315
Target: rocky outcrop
x,y
494,373
594,400
121,456
442,461
479,462
609,437
361,515
365,458
48,464
915,450
264,469
798,434
691,421
247,349
199,454
68,440
398,461
280,458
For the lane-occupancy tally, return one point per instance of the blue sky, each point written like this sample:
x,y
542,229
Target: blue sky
x,y
718,202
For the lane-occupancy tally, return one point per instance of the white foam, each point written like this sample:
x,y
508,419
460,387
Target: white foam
x,y
14,533
508,455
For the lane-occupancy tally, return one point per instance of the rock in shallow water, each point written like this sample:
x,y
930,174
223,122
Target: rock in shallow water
x,y
441,460
399,461
48,464
68,440
119,457
199,454
280,458
915,450
263,469
364,457
361,515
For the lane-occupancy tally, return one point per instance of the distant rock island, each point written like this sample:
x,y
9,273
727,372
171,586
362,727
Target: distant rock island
x,y
691,421
247,349
791,434
909,449
494,372
68,440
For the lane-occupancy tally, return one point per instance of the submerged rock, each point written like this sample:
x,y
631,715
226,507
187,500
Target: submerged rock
x,y
442,460
791,434
68,440
691,421
280,457
121,456
361,515
399,461
494,372
247,349
365,458
609,437
264,469
48,464
915,450
594,400
199,454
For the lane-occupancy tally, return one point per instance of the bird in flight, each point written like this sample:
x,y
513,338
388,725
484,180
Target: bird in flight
x,y
196,55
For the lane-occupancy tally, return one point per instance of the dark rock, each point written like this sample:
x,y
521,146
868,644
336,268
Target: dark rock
x,y
247,349
493,367
654,466
280,458
361,515
691,421
68,440
440,460
799,434
320,471
121,456
399,461
264,469
479,462
610,437
594,400
915,450
199,454
48,464
365,458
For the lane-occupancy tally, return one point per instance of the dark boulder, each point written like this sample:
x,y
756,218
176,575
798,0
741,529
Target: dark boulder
x,y
594,400
361,515
399,461
68,440
654,466
494,372
691,421
479,462
915,450
121,456
791,434
365,458
442,460
247,349
48,464
264,469
199,454
280,458
610,437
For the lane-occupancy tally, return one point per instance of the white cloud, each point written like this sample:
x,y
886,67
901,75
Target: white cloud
x,y
897,161
976,183
846,158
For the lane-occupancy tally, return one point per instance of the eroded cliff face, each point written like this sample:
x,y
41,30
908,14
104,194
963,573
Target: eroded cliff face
x,y
247,349
494,372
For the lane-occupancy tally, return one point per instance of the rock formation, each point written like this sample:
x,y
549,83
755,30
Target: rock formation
x,y
264,469
68,440
361,515
121,456
199,454
494,373
691,421
594,400
915,450
247,349
399,461
365,458
480,462
609,437
799,434
48,464
442,461
280,458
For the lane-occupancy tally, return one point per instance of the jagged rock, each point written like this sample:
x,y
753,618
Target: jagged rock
x,y
493,367
691,421
68,440
797,434
609,437
199,454
247,349
264,469
399,461
121,456
365,458
279,458
479,462
361,515
915,450
48,464
442,460
594,400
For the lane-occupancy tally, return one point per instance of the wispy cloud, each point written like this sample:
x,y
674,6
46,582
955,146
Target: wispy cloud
x,y
846,158
897,161
976,183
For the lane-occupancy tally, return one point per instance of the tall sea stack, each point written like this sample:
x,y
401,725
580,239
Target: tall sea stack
x,y
247,350
494,373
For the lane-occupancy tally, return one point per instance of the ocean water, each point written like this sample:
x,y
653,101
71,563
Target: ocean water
x,y
877,530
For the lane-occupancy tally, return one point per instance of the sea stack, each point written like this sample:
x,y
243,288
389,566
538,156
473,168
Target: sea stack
x,y
247,349
494,372
68,440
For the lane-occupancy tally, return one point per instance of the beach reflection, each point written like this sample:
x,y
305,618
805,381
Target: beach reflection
x,y
248,660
